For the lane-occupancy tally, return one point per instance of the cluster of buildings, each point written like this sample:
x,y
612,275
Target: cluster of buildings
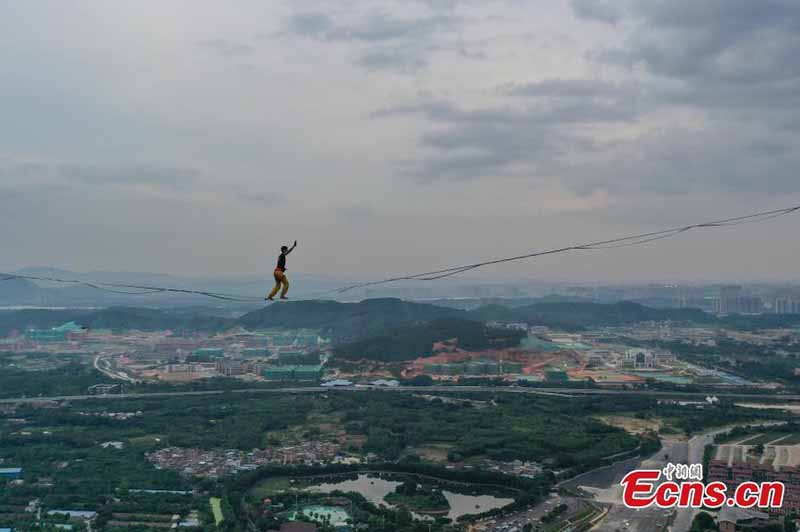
x,y
516,468
735,300
737,463
220,463
644,359
786,305
475,367
121,416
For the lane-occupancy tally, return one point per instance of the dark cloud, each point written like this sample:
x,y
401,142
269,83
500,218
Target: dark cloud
x,y
386,42
226,48
715,41
527,139
724,69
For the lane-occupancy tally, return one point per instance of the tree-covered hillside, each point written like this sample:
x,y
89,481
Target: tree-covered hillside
x,y
407,342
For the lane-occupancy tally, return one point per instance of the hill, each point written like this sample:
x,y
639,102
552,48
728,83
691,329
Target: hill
x,y
20,320
407,342
346,321
18,292
143,319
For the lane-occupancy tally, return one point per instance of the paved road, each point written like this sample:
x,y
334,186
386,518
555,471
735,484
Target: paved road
x,y
604,485
556,392
101,364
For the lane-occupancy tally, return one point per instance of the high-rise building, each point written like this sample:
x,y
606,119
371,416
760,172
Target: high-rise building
x,y
787,305
733,300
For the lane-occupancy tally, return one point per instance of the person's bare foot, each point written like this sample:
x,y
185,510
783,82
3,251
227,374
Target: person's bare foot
x,y
284,297
268,299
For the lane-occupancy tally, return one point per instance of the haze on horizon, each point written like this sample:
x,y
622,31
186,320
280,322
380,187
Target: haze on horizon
x,y
196,137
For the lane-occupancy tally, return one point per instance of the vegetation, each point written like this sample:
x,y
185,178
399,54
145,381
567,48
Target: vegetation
x,y
703,522
412,341
66,467
554,514
769,363
70,379
346,322
216,509
418,498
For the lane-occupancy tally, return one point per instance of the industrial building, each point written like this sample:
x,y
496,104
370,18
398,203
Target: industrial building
x,y
297,373
57,334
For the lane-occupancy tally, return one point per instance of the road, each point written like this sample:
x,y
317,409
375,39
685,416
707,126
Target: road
x,y
103,365
556,392
603,485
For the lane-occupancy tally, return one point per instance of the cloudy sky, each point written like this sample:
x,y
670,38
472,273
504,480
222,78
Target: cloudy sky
x,y
195,136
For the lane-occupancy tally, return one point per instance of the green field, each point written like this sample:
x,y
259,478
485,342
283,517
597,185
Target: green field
x,y
272,486
216,509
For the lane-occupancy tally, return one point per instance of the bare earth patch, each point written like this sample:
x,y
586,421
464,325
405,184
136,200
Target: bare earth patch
x,y
632,424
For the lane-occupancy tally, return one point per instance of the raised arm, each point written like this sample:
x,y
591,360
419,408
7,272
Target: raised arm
x,y
292,248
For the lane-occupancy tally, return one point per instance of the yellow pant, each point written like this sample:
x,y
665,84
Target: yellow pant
x,y
280,280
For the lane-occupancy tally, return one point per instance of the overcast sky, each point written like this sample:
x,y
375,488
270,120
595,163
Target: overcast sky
x,y
389,137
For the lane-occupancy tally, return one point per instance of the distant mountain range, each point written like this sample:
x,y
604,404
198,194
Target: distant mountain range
x,y
351,321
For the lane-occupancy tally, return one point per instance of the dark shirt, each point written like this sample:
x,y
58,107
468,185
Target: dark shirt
x,y
281,263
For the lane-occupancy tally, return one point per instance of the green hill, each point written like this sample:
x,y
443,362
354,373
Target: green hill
x,y
18,292
407,342
143,319
346,321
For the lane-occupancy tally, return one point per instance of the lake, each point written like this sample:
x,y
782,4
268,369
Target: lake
x,y
374,489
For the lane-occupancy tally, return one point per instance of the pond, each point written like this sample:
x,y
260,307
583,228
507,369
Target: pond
x,y
374,489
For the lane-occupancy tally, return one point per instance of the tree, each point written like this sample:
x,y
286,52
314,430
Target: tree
x,y
703,522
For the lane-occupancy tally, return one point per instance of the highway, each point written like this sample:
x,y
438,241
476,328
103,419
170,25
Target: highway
x,y
555,392
103,365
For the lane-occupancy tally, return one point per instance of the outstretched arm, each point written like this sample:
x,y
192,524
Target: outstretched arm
x,y
292,248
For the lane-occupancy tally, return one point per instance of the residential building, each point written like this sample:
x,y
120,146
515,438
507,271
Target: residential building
x,y
734,464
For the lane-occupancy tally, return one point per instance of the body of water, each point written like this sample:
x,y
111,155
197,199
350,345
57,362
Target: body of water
x,y
374,489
